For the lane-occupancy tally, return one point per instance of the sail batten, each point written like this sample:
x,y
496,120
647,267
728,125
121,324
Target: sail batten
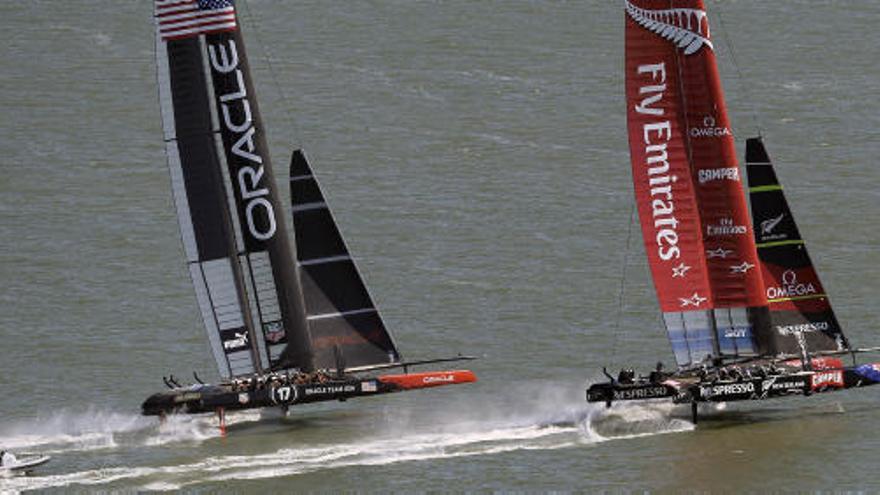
x,y
326,259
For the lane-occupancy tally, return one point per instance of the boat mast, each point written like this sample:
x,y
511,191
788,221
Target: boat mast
x,y
256,192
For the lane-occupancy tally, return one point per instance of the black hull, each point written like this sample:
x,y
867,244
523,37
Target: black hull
x,y
280,391
784,382
208,398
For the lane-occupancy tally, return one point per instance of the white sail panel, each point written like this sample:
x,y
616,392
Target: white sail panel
x,y
223,293
264,304
209,320
163,76
223,298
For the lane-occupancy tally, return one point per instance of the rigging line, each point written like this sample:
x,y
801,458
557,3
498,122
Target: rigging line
x,y
622,290
288,115
741,81
849,160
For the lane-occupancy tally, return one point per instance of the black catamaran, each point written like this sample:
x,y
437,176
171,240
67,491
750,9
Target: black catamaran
x,y
289,320
742,304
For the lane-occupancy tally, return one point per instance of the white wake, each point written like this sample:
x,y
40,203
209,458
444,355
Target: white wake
x,y
538,417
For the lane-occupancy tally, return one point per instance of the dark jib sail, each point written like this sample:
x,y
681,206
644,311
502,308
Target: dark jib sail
x,y
800,313
230,216
344,324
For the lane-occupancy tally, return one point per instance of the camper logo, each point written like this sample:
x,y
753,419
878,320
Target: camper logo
x,y
712,174
688,29
826,379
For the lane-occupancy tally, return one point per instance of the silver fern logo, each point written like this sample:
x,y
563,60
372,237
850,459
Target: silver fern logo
x,y
683,27
767,226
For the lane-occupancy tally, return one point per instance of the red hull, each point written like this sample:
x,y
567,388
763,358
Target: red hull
x,y
429,379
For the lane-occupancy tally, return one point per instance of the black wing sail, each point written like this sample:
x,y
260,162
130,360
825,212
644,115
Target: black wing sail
x,y
233,231
343,321
800,312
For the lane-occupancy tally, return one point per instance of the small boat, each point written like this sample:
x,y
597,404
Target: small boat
x,y
742,304
288,317
23,463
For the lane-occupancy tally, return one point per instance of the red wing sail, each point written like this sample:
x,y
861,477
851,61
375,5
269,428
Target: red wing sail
x,y
800,312
691,201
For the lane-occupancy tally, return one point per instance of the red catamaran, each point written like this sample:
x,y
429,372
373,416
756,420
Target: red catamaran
x,y
742,304
288,318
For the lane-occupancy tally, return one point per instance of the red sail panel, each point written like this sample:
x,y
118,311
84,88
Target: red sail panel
x,y
727,225
665,194
794,289
695,221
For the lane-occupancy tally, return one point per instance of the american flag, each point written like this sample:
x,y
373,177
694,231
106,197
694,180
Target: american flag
x,y
188,18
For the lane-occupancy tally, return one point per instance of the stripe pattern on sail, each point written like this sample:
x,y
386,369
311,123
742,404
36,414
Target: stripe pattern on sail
x,y
342,318
177,19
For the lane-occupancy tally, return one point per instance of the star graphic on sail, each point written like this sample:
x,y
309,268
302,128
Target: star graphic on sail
x,y
694,300
680,270
743,268
718,253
